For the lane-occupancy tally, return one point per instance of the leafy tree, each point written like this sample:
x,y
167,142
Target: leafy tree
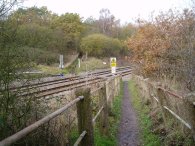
x,y
127,30
100,45
94,44
41,30
90,26
40,16
14,111
72,27
165,47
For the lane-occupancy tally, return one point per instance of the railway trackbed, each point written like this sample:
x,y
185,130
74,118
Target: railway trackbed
x,y
42,88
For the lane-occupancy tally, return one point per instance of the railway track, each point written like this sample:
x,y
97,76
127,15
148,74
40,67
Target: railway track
x,y
44,89
56,80
61,84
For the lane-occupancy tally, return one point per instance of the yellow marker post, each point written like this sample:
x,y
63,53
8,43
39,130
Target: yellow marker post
x,y
113,64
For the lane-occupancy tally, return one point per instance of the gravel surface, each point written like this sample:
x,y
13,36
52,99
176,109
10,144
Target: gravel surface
x,y
128,129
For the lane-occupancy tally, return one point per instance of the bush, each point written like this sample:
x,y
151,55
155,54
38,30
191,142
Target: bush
x,y
100,45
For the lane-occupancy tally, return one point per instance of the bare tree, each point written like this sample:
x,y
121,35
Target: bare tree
x,y
6,6
106,22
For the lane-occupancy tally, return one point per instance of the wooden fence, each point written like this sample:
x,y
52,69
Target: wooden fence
x,y
173,106
105,94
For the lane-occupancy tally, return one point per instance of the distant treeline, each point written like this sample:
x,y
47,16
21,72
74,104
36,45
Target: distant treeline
x,y
44,34
163,47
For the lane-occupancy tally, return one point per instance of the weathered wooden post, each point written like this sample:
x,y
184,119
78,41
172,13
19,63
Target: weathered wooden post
x,y
119,84
162,97
146,91
84,116
115,86
112,90
104,114
153,96
142,90
108,96
189,101
118,78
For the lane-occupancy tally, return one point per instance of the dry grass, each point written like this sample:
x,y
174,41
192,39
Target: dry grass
x,y
86,65
51,69
92,64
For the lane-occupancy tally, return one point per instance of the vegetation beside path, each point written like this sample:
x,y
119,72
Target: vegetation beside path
x,y
147,137
152,131
114,119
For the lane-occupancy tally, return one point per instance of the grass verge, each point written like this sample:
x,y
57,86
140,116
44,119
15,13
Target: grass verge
x,y
50,69
91,64
87,65
150,136
114,119
147,137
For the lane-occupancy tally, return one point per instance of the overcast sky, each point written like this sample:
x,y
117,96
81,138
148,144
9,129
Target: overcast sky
x,y
125,10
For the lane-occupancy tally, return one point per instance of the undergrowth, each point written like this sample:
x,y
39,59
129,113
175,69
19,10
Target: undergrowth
x,y
152,130
91,64
114,120
147,137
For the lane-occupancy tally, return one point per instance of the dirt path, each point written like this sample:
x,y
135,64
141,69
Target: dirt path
x,y
128,130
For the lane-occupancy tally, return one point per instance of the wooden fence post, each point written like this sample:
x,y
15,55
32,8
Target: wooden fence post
x,y
189,101
107,96
161,95
84,116
115,86
153,96
104,114
119,84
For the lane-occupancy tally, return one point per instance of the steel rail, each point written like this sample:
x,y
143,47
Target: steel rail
x,y
44,91
12,139
61,85
57,84
51,92
60,79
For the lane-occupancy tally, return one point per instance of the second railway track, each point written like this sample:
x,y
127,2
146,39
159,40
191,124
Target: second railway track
x,y
61,84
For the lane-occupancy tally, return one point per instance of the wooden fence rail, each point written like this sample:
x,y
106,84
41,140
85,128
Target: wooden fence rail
x,y
106,93
12,139
84,110
172,105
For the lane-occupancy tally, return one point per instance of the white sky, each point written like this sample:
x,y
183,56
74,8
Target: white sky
x,y
125,10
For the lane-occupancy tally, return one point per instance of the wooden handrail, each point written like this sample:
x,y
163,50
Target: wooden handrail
x,y
80,138
17,136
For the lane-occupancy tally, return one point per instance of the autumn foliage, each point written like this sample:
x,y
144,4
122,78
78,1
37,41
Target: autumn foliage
x,y
165,46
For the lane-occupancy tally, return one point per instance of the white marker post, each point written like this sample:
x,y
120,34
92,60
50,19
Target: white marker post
x,y
79,63
113,64
61,62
